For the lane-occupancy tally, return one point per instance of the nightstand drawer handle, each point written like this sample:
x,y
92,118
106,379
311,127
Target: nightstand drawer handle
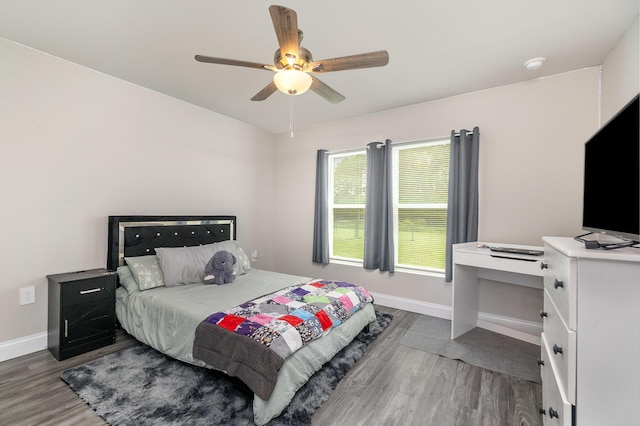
x,y
93,290
544,265
558,283
540,362
553,413
66,328
543,314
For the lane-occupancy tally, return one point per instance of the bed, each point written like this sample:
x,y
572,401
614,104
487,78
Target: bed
x,y
162,301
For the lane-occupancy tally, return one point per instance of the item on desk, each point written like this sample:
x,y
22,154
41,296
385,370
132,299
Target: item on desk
x,y
526,259
513,250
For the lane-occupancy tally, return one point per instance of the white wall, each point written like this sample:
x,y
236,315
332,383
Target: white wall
x,y
531,142
621,73
77,146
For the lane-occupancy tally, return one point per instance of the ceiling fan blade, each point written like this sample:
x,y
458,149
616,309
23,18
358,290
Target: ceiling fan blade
x,y
325,91
285,23
265,93
363,60
223,61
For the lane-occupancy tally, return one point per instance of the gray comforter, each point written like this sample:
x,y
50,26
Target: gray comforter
x,y
166,318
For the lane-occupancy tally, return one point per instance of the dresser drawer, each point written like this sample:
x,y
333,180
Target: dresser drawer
x,y
88,290
560,280
562,347
557,410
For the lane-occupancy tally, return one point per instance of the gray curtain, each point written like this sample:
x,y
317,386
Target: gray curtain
x,y
462,214
378,215
321,219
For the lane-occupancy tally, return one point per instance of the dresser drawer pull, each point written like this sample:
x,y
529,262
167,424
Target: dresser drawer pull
x,y
558,284
66,328
544,265
543,314
557,349
93,290
540,362
543,412
553,413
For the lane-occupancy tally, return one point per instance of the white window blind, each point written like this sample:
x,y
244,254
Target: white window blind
x,y
347,183
421,182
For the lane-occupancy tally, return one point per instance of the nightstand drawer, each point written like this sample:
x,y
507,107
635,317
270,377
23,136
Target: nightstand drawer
x,y
562,347
560,280
88,290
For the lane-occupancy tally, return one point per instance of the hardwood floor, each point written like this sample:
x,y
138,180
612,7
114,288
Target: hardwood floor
x,y
391,385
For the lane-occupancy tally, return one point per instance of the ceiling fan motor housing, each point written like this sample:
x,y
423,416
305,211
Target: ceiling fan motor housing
x,y
301,63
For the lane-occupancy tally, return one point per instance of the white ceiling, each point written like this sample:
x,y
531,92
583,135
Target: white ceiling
x,y
437,49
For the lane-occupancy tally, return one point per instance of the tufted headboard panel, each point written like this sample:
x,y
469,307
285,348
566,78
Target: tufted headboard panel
x,y
139,235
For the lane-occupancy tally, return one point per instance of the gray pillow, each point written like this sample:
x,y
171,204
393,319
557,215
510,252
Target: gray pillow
x,y
184,265
126,279
146,271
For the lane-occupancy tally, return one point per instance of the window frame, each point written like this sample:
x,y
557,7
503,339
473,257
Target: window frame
x,y
331,205
395,170
415,269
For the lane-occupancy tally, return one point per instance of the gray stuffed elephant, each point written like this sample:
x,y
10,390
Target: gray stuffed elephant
x,y
219,269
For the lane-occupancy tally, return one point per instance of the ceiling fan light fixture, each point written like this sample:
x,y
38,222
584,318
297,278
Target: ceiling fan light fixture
x,y
292,81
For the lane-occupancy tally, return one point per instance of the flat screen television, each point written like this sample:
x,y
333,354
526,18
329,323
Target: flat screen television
x,y
612,177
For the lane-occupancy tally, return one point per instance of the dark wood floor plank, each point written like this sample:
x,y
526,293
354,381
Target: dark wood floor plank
x,y
391,385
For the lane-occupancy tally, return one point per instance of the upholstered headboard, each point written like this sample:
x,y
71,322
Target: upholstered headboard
x,y
140,235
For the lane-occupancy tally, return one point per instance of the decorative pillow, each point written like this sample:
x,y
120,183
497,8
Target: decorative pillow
x,y
127,280
146,271
184,265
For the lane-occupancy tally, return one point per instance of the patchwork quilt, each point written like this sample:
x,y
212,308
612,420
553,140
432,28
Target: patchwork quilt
x,y
252,340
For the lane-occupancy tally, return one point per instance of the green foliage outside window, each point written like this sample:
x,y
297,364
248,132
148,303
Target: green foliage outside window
x,y
422,185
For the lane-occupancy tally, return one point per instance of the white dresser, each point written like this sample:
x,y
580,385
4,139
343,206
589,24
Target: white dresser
x,y
590,353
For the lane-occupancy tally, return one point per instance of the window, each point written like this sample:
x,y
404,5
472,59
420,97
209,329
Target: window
x,y
347,183
420,191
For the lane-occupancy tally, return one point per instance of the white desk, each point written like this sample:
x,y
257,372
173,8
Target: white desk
x,y
471,263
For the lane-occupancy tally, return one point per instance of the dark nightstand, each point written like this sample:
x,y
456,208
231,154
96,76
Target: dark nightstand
x,y
81,312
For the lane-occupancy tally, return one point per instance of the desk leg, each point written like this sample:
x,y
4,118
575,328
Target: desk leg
x,y
464,300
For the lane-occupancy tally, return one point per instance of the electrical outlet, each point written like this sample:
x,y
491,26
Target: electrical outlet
x,y
27,295
254,256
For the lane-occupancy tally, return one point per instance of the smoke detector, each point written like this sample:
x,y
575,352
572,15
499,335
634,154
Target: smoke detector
x,y
534,63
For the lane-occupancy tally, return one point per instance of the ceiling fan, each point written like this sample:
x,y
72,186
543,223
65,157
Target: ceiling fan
x,y
294,64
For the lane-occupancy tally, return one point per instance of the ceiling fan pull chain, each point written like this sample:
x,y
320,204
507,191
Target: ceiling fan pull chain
x,y
291,115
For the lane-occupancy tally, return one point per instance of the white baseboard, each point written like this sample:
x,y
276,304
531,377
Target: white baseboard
x,y
411,305
23,346
527,331
513,327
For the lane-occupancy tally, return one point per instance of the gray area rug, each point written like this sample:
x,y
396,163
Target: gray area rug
x,y
141,386
479,347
